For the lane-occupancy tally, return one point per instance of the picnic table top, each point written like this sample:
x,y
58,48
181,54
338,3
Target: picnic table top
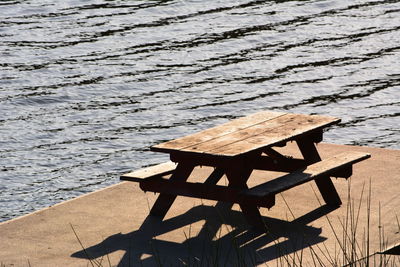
x,y
246,134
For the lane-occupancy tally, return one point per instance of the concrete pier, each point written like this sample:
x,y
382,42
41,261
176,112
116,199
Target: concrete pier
x,y
111,227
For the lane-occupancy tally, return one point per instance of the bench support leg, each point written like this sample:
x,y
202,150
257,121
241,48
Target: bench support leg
x,y
182,173
238,175
324,184
215,176
164,201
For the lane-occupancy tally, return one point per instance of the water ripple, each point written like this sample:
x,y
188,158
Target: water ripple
x,y
86,87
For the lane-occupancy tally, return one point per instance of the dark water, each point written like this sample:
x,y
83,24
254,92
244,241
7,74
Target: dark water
x,y
87,86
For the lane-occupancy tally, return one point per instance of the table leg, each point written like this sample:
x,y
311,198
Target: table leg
x,y
164,201
238,174
215,176
324,184
210,229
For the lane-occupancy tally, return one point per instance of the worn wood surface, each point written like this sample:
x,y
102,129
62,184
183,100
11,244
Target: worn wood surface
x,y
328,167
152,171
247,134
235,149
221,130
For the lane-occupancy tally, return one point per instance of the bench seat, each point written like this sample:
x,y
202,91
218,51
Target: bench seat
x,y
337,166
263,195
158,170
151,179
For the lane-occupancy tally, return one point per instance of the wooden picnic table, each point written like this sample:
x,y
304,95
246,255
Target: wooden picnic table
x,y
238,147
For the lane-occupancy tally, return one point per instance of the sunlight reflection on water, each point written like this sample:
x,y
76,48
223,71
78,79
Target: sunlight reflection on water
x,y
87,86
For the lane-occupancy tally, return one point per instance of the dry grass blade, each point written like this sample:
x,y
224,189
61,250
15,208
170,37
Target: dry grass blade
x,y
83,248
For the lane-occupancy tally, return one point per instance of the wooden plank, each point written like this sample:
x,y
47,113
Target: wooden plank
x,y
283,128
215,132
233,138
198,190
152,171
326,167
336,163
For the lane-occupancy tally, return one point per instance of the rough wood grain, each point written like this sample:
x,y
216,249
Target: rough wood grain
x,y
152,171
287,127
325,167
215,132
247,134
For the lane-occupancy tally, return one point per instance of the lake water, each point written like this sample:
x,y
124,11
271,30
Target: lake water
x,y
87,86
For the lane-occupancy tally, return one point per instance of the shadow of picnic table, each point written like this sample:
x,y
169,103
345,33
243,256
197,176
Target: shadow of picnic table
x,y
240,246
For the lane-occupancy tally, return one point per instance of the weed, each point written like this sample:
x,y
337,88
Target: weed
x,y
352,243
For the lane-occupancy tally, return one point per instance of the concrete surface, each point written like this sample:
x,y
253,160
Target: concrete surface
x,y
114,230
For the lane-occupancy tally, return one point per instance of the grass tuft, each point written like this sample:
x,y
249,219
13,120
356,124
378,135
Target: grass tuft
x,y
352,243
